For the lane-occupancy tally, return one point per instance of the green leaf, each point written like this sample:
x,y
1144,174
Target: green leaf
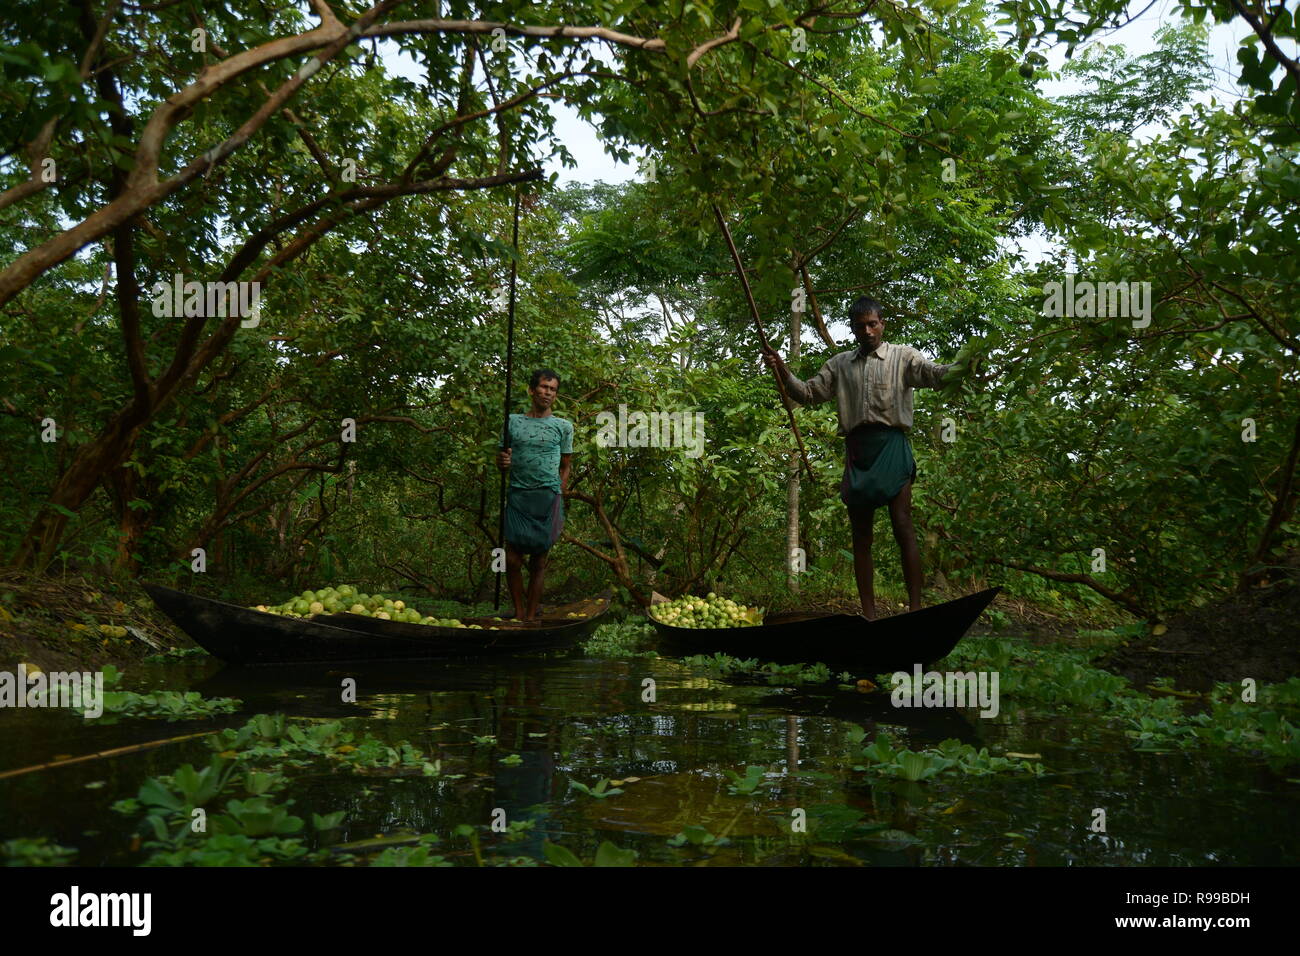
x,y
328,821
557,855
914,766
610,855
153,793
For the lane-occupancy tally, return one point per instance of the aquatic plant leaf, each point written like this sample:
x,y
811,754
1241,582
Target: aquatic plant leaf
x,y
916,766
881,749
259,783
153,793
610,855
557,855
696,835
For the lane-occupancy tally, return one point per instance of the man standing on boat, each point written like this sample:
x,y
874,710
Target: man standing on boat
x,y
872,386
538,459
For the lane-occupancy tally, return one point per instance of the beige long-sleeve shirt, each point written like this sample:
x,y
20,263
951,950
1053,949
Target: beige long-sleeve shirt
x,y
875,388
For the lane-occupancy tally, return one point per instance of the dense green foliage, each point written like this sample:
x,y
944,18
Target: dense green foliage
x,y
898,154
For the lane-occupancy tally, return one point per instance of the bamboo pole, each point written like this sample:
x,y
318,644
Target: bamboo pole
x,y
510,364
792,478
115,752
762,335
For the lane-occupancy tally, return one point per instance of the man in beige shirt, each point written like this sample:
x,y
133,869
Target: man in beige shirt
x,y
872,386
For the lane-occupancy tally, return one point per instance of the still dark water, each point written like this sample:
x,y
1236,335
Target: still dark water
x,y
584,720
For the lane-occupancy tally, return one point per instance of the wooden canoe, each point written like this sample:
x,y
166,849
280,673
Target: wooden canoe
x,y
843,642
238,635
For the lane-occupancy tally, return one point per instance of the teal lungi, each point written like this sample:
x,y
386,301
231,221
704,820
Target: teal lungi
x,y
878,462
534,519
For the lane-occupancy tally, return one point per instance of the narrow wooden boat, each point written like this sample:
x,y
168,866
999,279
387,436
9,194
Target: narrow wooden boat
x,y
242,636
843,642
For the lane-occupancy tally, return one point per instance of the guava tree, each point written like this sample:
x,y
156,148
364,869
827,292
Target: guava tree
x,y
1149,458
160,140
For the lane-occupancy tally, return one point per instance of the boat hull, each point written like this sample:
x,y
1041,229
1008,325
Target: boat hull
x,y
239,635
843,642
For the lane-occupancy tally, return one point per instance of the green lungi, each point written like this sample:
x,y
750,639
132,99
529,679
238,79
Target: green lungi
x,y
878,462
534,519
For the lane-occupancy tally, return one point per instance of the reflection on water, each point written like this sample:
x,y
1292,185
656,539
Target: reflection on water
x,y
559,720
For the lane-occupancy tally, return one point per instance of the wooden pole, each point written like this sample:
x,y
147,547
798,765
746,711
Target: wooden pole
x,y
758,321
116,752
510,360
762,335
792,479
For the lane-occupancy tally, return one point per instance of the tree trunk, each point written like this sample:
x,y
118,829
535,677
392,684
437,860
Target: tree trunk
x,y
126,486
792,479
618,560
1283,506
91,463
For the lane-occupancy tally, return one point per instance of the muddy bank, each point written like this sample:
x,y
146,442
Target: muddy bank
x,y
76,623
1252,634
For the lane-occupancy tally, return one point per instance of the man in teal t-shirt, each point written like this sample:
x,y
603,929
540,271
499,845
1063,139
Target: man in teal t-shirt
x,y
541,448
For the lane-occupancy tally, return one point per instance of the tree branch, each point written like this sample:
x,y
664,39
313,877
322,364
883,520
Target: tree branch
x,y
1265,35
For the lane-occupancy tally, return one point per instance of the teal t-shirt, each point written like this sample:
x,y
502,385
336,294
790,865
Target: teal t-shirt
x,y
536,445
